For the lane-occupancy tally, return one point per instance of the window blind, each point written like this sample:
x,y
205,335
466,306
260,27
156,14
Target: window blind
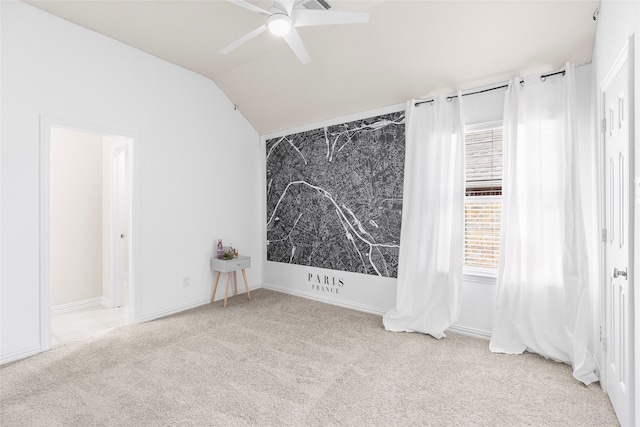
x,y
483,201
484,159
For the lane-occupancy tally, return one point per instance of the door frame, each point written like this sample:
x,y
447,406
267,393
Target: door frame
x,y
46,125
624,58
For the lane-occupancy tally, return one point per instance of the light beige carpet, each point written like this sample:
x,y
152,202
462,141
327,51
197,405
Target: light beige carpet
x,y
282,360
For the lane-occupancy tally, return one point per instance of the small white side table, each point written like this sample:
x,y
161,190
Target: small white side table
x,y
228,266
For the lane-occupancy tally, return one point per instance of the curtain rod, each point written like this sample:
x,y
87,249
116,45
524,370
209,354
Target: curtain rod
x,y
449,98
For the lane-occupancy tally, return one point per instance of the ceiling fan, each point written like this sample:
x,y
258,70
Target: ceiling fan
x,y
285,15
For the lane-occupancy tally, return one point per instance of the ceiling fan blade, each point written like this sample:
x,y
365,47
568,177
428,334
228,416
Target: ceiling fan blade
x,y
295,43
250,7
308,18
286,5
243,39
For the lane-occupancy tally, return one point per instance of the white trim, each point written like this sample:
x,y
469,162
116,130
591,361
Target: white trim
x,y
619,62
174,310
241,290
470,332
189,306
135,242
46,124
458,329
79,305
471,273
479,277
308,295
634,105
22,354
45,233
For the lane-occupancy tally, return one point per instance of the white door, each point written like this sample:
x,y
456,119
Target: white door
x,y
618,192
119,238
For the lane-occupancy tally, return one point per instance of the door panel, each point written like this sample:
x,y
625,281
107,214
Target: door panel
x,y
118,215
618,344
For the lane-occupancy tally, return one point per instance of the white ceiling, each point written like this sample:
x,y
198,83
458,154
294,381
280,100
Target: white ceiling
x,y
409,49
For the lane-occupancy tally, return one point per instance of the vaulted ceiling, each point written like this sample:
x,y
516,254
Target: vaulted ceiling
x,y
408,49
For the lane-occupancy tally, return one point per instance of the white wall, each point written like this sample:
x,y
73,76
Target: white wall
x,y
187,137
76,216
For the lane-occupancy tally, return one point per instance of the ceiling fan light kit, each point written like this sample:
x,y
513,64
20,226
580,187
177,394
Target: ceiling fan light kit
x,y
285,15
279,24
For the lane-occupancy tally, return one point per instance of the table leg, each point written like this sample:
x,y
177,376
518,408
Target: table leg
x,y
235,284
246,283
226,290
215,287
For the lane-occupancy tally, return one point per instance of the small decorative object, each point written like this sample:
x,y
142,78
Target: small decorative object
x,y
228,252
220,248
235,253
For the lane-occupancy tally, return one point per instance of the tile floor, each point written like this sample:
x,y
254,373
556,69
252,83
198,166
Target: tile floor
x,y
73,325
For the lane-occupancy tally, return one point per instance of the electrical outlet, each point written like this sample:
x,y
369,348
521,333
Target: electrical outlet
x,y
186,281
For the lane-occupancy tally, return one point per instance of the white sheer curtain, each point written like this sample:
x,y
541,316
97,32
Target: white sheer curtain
x,y
542,301
431,250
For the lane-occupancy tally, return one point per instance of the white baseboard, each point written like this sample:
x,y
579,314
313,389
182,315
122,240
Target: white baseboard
x,y
22,354
173,310
91,302
346,304
458,329
189,306
470,332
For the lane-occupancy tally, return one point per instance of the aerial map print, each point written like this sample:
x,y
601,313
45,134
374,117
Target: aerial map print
x,y
334,196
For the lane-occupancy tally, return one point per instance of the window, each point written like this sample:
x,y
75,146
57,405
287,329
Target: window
x,y
483,199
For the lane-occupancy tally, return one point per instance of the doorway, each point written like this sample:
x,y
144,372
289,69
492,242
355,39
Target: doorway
x,y
86,231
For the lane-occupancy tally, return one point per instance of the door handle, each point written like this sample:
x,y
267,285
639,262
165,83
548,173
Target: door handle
x,y
617,273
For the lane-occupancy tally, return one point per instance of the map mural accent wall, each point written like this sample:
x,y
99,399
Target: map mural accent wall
x,y
334,196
